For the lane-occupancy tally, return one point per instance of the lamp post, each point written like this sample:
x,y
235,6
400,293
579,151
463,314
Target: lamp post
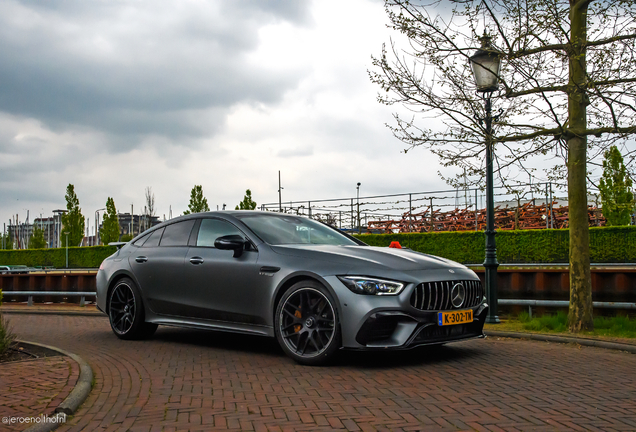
x,y
66,233
280,188
358,195
486,65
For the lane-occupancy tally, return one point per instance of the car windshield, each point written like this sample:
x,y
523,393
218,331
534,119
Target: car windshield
x,y
280,230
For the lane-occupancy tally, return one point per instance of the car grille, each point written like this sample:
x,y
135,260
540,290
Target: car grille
x,y
437,295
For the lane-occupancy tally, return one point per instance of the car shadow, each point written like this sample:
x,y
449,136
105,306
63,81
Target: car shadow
x,y
265,346
219,340
420,356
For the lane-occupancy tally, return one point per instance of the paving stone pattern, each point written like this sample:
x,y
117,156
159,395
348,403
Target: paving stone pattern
x,y
195,380
33,387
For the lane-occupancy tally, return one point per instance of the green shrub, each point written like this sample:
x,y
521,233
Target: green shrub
x,y
607,245
524,317
556,323
78,257
615,326
6,337
618,326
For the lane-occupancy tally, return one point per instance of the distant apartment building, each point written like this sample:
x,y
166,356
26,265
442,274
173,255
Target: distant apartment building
x,y
19,233
136,224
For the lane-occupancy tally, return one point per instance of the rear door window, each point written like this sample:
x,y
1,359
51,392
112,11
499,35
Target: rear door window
x,y
153,239
177,234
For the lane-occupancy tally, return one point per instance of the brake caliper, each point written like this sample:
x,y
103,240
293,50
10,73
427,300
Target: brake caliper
x,y
297,314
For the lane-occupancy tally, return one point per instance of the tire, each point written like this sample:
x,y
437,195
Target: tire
x,y
126,312
307,325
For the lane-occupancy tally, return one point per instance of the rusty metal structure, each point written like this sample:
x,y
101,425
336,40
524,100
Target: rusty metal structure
x,y
524,217
529,206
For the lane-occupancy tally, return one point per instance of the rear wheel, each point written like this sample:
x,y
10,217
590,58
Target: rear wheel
x,y
307,326
126,312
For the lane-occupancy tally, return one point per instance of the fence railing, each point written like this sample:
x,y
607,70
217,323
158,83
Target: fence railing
x,y
30,295
562,303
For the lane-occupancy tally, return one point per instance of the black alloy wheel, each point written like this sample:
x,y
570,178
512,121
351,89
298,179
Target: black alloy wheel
x,y
307,324
125,311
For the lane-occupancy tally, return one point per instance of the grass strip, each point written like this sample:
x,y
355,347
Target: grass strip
x,y
604,327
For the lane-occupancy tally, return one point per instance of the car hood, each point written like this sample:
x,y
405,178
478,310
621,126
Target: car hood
x,y
394,259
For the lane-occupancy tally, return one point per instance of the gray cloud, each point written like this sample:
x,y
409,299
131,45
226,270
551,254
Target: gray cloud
x,y
296,152
114,96
137,68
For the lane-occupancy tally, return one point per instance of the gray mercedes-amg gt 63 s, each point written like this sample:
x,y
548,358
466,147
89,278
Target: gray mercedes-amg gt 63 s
x,y
312,287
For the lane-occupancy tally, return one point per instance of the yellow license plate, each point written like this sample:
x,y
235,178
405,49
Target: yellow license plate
x,y
456,317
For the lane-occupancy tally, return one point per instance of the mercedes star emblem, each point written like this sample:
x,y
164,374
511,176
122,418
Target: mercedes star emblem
x,y
458,295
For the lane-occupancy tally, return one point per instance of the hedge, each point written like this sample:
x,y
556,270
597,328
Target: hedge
x,y
607,245
78,257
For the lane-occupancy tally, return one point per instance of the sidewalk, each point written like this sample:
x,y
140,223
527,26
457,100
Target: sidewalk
x,y
50,308
35,387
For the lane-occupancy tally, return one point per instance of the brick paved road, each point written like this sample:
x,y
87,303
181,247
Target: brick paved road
x,y
48,381
195,380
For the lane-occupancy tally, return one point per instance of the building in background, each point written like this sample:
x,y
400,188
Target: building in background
x,y
136,224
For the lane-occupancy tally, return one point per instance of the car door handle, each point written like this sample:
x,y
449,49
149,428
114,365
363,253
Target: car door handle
x,y
141,259
196,260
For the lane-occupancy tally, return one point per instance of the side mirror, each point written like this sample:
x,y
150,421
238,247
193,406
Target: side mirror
x,y
231,242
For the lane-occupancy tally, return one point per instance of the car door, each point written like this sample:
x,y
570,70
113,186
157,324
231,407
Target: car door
x,y
219,286
158,266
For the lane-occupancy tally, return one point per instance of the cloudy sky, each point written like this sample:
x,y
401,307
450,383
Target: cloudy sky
x,y
115,96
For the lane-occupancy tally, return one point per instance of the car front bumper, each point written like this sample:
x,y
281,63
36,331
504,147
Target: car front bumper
x,y
371,322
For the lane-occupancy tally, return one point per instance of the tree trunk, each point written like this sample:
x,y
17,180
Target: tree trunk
x,y
580,314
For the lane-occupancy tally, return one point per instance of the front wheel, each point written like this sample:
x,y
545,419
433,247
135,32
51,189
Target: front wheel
x,y
306,324
126,312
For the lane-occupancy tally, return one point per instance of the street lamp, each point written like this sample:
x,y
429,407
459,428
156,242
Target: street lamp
x,y
280,188
486,65
66,232
358,194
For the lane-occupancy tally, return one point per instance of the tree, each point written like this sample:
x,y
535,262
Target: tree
x,y
615,186
247,203
37,241
73,220
109,231
198,203
149,209
551,101
7,241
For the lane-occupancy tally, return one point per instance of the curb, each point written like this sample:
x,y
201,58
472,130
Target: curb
x,y
77,396
565,339
44,312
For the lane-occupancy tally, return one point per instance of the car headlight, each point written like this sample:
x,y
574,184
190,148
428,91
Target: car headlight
x,y
371,286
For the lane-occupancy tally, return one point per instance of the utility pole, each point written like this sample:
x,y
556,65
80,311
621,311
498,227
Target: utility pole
x,y
66,232
358,197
